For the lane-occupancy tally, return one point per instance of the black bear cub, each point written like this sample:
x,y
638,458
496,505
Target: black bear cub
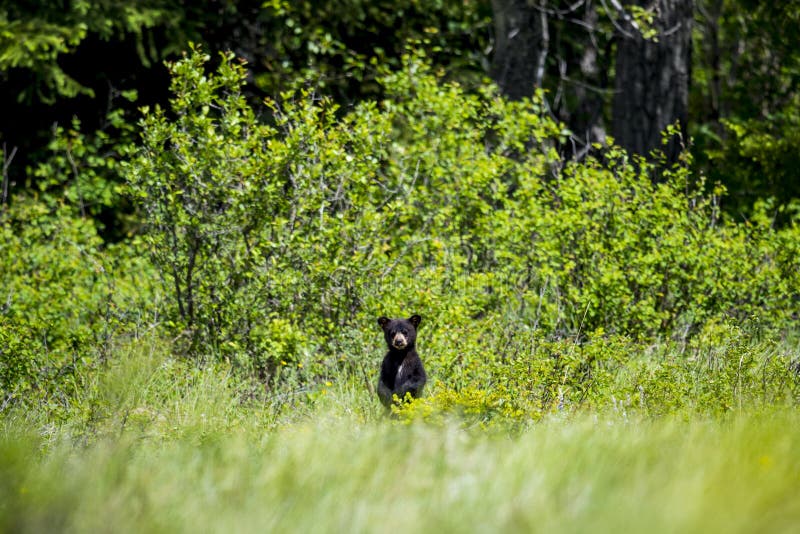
x,y
401,371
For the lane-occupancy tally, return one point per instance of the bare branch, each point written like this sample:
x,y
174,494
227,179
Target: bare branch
x,y
625,16
7,159
77,182
544,50
559,12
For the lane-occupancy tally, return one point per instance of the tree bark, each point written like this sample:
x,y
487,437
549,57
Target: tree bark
x,y
652,79
585,120
521,46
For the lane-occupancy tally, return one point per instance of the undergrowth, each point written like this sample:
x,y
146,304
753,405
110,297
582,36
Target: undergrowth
x,y
180,450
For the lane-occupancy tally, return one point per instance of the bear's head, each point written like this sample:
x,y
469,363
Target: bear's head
x,y
400,334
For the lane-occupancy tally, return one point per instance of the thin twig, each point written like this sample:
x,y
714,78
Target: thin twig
x,y
77,183
580,328
625,16
558,12
544,50
6,402
6,164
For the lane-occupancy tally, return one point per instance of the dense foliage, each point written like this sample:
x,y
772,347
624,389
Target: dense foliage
x,y
58,60
278,244
321,218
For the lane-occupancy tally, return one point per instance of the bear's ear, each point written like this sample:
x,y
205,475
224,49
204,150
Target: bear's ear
x,y
383,321
415,320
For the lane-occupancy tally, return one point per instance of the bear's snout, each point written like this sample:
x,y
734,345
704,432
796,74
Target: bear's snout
x,y
399,341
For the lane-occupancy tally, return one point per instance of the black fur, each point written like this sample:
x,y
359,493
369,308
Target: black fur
x,y
401,371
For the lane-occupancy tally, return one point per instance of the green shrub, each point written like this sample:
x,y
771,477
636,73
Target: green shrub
x,y
517,379
275,241
63,298
83,169
250,224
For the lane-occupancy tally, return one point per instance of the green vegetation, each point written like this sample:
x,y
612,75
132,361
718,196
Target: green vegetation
x,y
175,448
607,348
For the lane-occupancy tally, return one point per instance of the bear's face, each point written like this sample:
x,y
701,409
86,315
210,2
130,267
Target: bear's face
x,y
400,333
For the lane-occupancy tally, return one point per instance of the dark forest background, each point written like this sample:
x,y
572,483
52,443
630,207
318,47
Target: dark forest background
x,y
725,72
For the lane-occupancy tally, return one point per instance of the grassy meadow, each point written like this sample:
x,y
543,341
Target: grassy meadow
x,y
164,447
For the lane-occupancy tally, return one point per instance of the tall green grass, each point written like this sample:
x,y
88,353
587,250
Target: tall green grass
x,y
168,447
740,474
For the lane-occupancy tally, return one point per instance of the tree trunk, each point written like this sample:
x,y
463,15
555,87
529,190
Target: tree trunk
x,y
521,45
652,79
586,120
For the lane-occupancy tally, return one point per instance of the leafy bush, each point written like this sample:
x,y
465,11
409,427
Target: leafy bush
x,y
520,379
247,221
274,239
757,161
279,242
63,298
82,169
